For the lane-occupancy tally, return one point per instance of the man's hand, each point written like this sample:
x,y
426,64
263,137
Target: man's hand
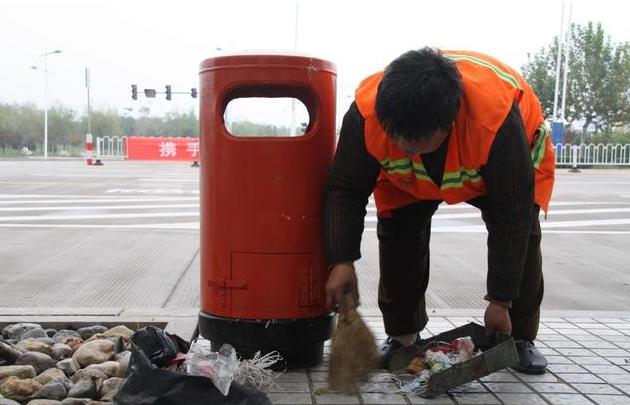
x,y
497,319
342,281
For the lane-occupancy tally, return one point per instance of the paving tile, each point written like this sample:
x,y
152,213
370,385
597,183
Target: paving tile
x,y
597,344
615,378
576,352
289,387
521,399
623,387
608,332
336,399
379,387
567,399
565,368
552,319
538,378
473,387
551,336
610,320
623,345
620,361
612,352
507,387
584,360
290,399
292,377
319,376
548,351
574,332
610,399
564,344
476,399
559,360
500,377
580,378
557,388
604,369
381,377
615,339
383,399
581,320
592,325
440,400
596,389
586,338
560,325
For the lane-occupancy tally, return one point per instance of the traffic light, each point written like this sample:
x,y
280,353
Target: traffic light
x,y
193,92
168,92
134,91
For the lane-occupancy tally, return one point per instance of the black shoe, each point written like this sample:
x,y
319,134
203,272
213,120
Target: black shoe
x,y
530,360
391,348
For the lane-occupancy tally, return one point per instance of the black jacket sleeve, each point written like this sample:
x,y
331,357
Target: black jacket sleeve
x,y
351,181
509,180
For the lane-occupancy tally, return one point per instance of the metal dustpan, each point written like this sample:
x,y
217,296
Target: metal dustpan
x,y
498,352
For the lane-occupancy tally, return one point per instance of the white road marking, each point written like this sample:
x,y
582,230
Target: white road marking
x,y
51,196
544,225
99,216
151,191
167,180
97,207
107,200
553,204
176,225
370,218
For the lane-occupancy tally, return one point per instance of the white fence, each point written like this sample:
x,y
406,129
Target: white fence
x,y
111,147
592,154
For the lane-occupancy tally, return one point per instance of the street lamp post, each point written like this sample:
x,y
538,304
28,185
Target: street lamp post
x,y
45,55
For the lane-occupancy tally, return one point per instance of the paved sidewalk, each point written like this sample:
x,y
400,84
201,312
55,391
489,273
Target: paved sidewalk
x,y
588,354
589,363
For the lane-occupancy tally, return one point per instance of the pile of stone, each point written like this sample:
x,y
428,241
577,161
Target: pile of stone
x,y
71,367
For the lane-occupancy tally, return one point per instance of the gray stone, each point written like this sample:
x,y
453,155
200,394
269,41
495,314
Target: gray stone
x,y
88,331
94,352
24,371
61,351
68,366
14,331
9,353
6,401
89,374
43,402
123,359
120,330
65,333
40,361
50,332
83,389
33,333
33,345
75,401
73,342
49,341
50,375
110,368
108,386
18,389
53,390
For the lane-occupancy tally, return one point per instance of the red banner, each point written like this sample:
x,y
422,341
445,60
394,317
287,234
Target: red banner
x,y
162,148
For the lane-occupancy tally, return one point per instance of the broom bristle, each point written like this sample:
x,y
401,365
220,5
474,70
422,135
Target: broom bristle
x,y
353,354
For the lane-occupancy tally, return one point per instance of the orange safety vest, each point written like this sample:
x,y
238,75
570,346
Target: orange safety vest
x,y
489,89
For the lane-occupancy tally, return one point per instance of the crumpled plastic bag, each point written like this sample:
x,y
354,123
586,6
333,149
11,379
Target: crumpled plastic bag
x,y
149,385
219,366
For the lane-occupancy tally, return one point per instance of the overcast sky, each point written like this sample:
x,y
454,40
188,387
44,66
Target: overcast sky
x,y
153,43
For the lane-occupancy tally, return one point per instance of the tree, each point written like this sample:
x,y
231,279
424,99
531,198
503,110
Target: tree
x,y
598,92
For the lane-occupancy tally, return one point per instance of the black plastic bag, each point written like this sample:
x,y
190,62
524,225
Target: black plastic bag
x,y
149,385
157,346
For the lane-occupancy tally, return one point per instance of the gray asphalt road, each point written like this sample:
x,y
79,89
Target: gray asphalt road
x,y
126,235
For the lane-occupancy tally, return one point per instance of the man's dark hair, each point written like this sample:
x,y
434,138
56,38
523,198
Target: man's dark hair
x,y
419,94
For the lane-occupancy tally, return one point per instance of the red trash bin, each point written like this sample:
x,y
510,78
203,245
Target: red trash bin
x,y
263,266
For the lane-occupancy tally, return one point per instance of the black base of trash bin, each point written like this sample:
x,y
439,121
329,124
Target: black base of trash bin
x,y
299,341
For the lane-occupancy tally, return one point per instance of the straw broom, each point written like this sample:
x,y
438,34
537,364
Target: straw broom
x,y
353,354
